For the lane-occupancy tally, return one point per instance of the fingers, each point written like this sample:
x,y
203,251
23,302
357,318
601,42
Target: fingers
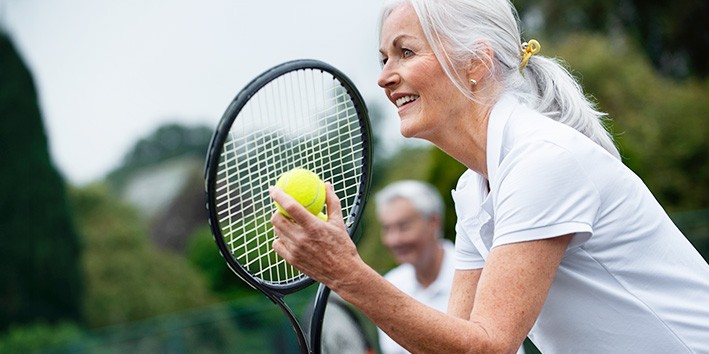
x,y
293,234
283,230
314,247
334,208
291,240
296,211
302,216
280,248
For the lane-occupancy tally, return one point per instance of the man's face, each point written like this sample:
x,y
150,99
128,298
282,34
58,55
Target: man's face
x,y
406,233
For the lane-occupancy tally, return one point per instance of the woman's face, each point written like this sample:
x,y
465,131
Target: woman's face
x,y
414,80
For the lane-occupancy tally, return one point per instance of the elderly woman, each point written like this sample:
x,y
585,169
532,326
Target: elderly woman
x,y
556,239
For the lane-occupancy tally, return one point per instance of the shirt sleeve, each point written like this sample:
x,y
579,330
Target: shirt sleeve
x,y
467,207
543,191
467,255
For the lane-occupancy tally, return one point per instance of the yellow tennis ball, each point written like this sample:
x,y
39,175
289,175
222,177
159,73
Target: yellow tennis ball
x,y
306,188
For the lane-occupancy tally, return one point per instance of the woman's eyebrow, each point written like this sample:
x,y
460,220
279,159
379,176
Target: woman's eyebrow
x,y
396,40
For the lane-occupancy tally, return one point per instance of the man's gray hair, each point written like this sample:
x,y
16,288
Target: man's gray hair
x,y
424,197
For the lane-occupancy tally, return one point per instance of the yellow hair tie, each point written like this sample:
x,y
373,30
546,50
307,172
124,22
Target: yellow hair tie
x,y
529,49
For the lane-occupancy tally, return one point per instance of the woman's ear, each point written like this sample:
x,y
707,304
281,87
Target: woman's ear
x,y
481,65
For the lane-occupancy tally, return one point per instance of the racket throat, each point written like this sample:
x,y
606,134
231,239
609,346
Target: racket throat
x,y
302,341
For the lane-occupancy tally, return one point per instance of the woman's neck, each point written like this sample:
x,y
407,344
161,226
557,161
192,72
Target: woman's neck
x,y
465,139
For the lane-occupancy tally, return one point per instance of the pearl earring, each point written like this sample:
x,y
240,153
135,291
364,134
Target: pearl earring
x,y
474,82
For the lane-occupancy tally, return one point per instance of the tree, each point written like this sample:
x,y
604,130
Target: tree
x,y
40,275
126,277
659,124
671,34
203,254
163,175
168,141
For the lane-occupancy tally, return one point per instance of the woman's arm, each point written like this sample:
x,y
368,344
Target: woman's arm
x,y
465,283
509,295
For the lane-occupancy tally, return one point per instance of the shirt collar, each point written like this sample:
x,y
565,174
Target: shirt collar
x,y
499,116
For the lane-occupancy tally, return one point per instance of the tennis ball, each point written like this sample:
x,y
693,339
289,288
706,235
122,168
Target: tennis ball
x,y
306,188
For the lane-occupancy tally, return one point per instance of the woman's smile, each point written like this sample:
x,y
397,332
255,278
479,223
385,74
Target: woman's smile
x,y
413,79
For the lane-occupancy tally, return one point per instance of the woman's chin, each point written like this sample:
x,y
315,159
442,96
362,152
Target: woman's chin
x,y
407,130
412,133
405,135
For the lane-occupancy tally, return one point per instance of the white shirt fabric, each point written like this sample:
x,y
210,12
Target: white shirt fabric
x,y
435,295
630,282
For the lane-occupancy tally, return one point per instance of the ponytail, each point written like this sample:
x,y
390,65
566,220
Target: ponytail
x,y
557,95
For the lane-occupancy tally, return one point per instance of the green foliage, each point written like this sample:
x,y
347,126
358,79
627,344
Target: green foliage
x,y
561,16
695,225
408,163
168,141
128,279
376,118
39,273
38,337
444,174
251,324
660,124
203,254
672,35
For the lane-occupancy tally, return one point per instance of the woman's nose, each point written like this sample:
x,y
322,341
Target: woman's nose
x,y
388,77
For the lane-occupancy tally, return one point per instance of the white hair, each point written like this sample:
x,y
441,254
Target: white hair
x,y
460,31
423,196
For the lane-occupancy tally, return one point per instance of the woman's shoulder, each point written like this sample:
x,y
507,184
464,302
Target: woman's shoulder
x,y
537,136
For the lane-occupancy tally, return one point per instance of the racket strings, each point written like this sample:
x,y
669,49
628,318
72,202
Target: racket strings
x,y
304,119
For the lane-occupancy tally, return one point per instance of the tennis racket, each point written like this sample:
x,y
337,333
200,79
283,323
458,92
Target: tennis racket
x,y
302,113
344,331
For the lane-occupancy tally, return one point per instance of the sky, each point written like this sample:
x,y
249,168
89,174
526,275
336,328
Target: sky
x,y
110,72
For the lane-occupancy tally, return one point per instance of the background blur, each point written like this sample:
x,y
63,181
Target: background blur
x,y
107,107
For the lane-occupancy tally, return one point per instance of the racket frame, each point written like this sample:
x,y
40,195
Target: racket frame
x,y
276,292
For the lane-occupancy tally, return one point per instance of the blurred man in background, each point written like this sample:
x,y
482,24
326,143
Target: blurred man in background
x,y
411,217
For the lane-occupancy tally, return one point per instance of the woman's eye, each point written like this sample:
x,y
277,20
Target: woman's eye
x,y
383,61
407,52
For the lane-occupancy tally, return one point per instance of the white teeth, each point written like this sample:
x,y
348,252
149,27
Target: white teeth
x,y
403,100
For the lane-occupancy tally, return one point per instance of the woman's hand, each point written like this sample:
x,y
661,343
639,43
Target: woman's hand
x,y
322,250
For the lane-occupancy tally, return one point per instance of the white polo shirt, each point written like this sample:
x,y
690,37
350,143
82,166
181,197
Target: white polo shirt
x,y
630,282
